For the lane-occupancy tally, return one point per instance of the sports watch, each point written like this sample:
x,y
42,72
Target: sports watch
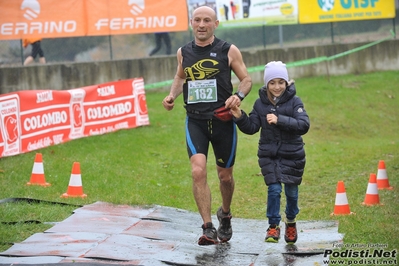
x,y
240,95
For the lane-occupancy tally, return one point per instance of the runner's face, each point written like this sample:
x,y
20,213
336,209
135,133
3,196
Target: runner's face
x,y
204,23
277,86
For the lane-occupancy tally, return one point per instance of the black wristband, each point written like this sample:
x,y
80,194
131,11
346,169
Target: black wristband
x,y
240,95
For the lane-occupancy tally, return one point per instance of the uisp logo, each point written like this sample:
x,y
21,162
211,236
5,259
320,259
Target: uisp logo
x,y
326,5
32,9
136,6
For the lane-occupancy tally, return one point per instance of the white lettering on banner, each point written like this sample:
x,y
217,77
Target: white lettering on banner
x,y
45,96
9,110
103,130
139,22
39,121
11,151
40,143
108,111
38,27
106,91
122,125
57,139
94,132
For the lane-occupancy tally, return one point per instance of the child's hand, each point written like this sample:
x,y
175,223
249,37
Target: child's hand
x,y
235,111
271,119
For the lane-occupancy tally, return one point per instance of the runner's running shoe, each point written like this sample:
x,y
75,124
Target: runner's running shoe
x,y
209,236
225,231
273,233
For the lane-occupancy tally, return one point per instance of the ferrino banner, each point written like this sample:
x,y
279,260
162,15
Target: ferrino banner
x,y
316,11
71,18
35,119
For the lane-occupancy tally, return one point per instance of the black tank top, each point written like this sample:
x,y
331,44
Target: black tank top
x,y
204,63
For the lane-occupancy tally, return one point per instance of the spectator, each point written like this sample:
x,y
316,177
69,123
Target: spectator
x,y
36,49
159,36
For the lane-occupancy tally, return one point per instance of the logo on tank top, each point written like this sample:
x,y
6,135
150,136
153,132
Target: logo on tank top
x,y
203,69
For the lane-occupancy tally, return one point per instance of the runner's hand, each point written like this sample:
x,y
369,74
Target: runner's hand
x,y
168,102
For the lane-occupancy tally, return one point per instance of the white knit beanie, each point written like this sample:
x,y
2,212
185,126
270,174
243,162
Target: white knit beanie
x,y
275,69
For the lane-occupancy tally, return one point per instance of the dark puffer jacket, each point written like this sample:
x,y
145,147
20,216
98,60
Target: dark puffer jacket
x,y
281,153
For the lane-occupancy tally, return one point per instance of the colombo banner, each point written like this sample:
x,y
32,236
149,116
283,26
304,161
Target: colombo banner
x,y
71,18
35,119
316,11
246,13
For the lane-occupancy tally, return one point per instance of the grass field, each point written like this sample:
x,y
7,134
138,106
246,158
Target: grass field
x,y
354,124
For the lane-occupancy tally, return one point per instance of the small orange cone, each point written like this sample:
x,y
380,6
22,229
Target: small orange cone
x,y
382,177
372,197
75,188
341,201
37,176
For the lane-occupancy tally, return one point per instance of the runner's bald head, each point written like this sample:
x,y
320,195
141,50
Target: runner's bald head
x,y
207,10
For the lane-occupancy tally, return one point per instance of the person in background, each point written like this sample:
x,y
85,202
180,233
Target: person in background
x,y
233,9
246,5
159,36
36,50
203,76
282,120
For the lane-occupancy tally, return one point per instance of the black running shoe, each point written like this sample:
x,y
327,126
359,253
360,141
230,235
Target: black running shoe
x,y
225,231
209,236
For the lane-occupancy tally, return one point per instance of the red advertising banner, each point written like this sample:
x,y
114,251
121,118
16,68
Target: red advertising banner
x,y
20,19
31,120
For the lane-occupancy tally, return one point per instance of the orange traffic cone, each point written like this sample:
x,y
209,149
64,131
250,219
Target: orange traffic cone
x,y
37,176
372,197
341,201
75,188
382,177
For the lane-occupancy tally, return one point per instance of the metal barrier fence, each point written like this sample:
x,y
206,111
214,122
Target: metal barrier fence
x,y
91,49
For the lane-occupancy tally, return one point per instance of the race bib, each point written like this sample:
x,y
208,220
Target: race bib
x,y
202,91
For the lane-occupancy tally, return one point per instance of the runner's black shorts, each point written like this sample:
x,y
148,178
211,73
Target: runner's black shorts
x,y
36,49
222,136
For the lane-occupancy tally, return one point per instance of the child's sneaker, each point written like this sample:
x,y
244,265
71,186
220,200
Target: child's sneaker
x,y
291,234
209,236
273,233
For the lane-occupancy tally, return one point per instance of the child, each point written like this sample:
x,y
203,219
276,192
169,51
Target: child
x,y
282,119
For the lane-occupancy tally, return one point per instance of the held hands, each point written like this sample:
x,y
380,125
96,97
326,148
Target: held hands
x,y
236,111
271,119
168,102
233,103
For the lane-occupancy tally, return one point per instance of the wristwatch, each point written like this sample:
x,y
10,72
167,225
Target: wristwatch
x,y
240,95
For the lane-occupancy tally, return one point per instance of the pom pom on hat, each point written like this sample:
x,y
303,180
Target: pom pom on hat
x,y
275,69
